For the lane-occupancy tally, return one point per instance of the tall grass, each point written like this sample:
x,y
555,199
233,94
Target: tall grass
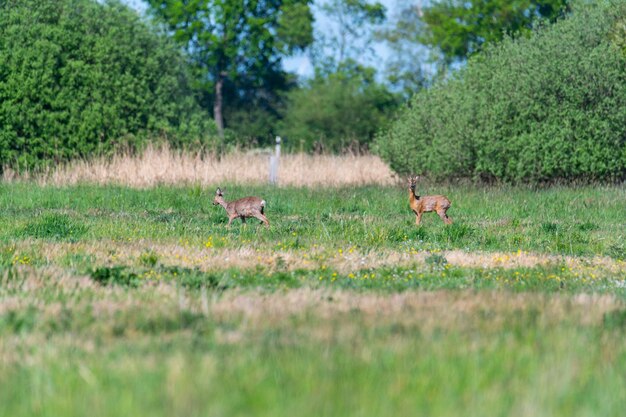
x,y
163,165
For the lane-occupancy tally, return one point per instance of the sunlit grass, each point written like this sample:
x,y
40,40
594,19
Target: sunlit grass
x,y
586,221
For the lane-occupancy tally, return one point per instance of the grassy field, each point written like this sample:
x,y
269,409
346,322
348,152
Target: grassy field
x,y
123,301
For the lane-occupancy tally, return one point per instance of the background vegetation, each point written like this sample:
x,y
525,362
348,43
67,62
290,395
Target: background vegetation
x,y
78,78
457,31
544,108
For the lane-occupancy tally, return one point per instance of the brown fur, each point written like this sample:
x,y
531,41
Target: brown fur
x,y
242,208
424,204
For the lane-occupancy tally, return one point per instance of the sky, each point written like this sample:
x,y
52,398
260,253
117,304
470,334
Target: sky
x,y
301,65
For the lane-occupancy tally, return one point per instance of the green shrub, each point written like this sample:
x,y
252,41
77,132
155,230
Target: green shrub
x,y
457,232
20,320
192,278
617,251
115,275
149,259
546,108
79,77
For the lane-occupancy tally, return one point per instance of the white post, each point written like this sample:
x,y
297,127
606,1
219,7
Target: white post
x,y
274,159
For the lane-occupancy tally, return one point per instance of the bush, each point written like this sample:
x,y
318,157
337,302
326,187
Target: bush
x,y
115,275
79,77
546,108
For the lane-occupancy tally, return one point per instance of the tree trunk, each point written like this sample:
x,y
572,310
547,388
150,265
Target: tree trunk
x,y
218,105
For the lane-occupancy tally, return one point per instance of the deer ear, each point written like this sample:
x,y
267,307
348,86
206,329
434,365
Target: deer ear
x,y
218,191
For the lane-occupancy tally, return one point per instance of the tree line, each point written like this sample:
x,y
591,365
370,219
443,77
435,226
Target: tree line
x,y
85,77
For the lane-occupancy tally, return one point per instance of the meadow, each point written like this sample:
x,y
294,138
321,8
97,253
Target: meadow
x,y
136,299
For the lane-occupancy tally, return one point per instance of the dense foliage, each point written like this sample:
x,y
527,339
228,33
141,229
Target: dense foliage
x,y
545,108
78,77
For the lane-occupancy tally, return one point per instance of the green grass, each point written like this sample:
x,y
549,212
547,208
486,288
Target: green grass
x,y
523,368
581,221
116,301
547,279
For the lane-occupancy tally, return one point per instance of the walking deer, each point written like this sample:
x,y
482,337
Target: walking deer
x,y
242,208
427,203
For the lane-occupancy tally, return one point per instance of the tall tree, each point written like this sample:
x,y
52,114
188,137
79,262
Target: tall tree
x,y
427,37
240,41
458,28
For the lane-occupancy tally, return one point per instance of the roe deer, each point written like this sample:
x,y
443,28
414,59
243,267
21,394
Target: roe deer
x,y
242,208
426,203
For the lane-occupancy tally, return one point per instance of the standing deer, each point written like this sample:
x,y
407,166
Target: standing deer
x,y
242,208
424,204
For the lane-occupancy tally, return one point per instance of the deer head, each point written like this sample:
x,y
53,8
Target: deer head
x,y
413,182
219,197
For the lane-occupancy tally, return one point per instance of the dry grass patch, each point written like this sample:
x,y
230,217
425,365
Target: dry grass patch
x,y
167,166
428,309
105,252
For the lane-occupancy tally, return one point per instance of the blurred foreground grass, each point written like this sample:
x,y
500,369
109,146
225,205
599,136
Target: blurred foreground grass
x,y
116,301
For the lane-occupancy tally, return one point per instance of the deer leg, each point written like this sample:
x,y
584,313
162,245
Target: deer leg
x,y
444,216
418,218
230,220
243,220
263,219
